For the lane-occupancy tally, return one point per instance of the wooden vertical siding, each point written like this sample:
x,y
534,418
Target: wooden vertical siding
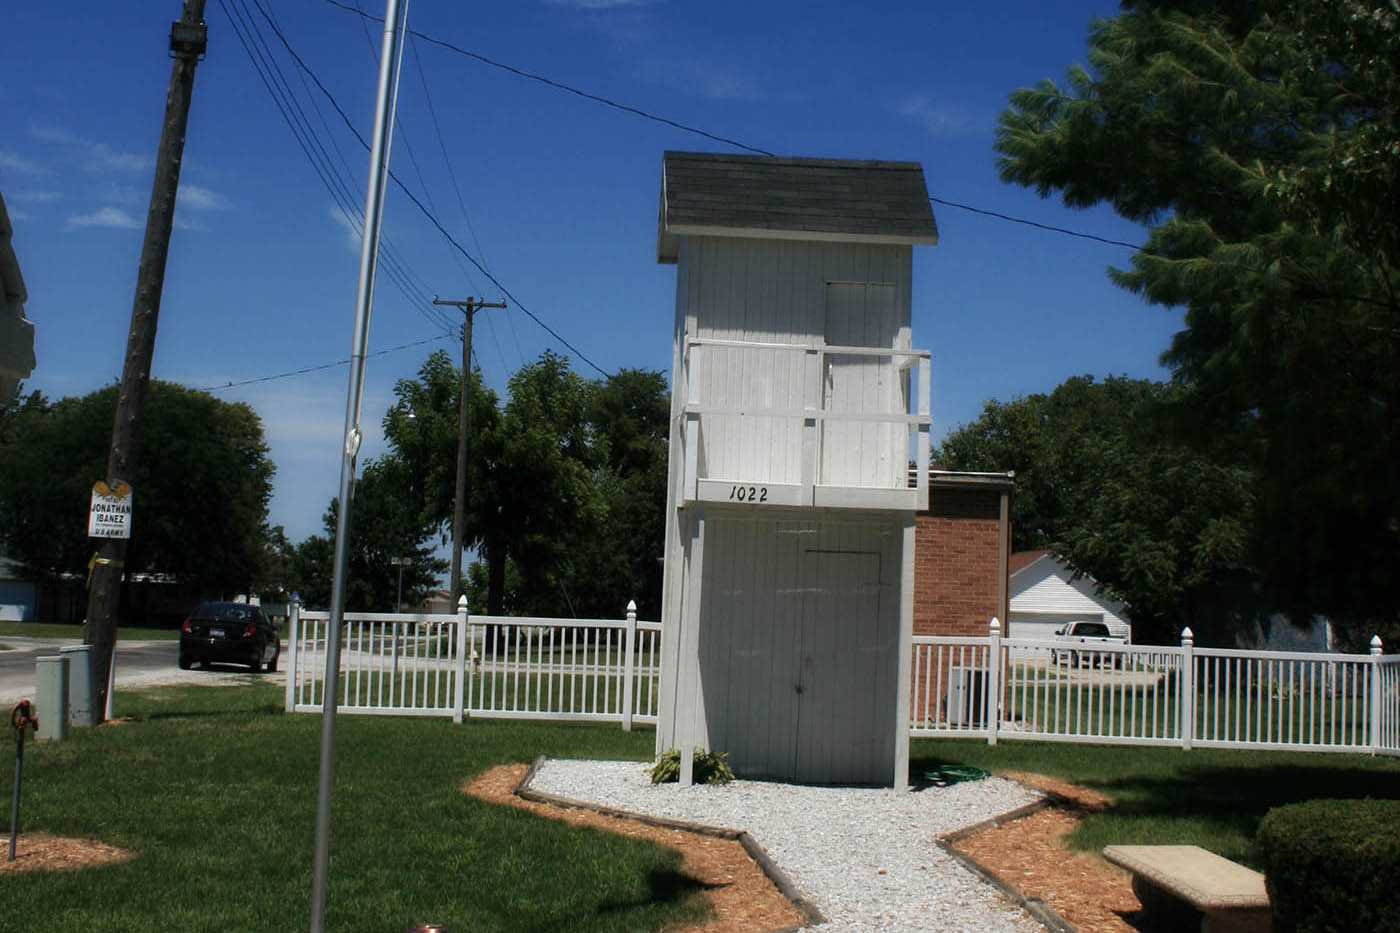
x,y
777,292
797,640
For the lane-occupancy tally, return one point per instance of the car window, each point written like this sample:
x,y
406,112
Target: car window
x,y
1093,630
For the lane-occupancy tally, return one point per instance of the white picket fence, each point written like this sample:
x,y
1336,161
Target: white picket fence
x,y
1004,688
412,664
989,687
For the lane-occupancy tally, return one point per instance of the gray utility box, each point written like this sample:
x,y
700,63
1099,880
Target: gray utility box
x,y
82,702
51,696
967,696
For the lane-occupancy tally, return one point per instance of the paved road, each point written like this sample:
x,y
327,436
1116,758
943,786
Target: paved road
x,y
138,663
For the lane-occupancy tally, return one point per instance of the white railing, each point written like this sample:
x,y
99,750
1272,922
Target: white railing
x,y
409,664
1047,690
805,424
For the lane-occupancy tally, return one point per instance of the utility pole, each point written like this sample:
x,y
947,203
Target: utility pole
x,y
188,39
469,308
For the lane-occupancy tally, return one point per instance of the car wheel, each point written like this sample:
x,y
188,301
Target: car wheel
x,y
184,663
257,663
276,654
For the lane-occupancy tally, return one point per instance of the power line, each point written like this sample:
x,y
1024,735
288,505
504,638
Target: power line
x,y
1032,223
318,368
408,193
560,86
313,148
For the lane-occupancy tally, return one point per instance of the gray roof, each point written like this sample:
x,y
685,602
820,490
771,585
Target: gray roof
x,y
803,199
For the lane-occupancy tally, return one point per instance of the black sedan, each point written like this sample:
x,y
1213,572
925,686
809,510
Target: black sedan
x,y
231,632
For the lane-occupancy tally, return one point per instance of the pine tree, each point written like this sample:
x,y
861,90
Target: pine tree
x,y
1260,143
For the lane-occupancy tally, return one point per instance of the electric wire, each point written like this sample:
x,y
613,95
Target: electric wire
x,y
432,218
313,148
558,85
265,65
1032,223
320,366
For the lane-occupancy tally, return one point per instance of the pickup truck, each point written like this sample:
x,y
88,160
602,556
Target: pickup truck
x,y
1081,642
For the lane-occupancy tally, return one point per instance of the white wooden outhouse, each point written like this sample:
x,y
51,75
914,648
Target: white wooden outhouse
x,y
798,459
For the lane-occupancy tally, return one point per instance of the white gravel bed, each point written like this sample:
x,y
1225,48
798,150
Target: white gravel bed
x,y
866,857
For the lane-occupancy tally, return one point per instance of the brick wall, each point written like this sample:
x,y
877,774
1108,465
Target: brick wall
x,y
957,554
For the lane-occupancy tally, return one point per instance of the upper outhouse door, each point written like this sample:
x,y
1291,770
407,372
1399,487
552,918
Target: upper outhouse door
x,y
843,717
855,452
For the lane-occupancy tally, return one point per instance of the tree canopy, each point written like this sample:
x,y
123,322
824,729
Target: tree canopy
x,y
200,497
1102,485
566,483
1260,141
385,526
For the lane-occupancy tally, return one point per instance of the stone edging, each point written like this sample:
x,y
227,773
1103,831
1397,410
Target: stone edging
x,y
809,911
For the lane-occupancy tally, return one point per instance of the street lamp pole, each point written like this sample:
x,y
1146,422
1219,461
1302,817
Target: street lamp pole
x,y
398,599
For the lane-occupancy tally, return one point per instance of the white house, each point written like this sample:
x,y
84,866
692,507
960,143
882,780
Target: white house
x,y
798,404
1045,595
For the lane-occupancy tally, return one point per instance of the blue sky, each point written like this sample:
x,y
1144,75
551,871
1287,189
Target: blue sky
x,y
555,194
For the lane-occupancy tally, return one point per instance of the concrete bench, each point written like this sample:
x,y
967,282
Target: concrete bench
x,y
1231,897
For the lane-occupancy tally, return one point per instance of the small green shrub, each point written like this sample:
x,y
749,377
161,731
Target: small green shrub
x,y
707,767
1332,865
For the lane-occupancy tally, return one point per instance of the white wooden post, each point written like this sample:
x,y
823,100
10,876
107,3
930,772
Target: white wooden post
x,y
991,705
293,624
687,765
811,402
1187,687
629,657
1375,694
690,489
459,688
921,451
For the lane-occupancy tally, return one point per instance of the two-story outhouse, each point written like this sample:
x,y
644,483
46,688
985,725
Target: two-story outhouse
x,y
798,460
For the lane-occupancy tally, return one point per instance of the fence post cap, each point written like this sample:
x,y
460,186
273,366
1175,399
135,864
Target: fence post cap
x,y
631,605
462,603
1186,636
1375,644
995,626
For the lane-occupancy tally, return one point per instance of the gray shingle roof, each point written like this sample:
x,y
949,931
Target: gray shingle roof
x,y
770,196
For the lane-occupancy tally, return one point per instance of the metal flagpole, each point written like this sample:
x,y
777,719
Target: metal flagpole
x,y
389,57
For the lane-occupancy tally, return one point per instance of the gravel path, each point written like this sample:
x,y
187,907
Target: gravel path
x,y
865,857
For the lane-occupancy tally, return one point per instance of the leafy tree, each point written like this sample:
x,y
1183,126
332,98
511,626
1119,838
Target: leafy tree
x,y
566,483
200,497
1101,484
383,525
1260,142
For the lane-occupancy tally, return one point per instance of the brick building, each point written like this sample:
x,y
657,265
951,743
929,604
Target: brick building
x,y
962,543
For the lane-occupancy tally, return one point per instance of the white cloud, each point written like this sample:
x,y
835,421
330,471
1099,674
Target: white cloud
x,y
103,159
122,194
19,216
937,119
95,157
11,162
105,217
351,227
201,199
35,197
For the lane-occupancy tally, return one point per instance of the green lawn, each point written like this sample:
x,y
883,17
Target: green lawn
x,y
215,792
54,630
1213,798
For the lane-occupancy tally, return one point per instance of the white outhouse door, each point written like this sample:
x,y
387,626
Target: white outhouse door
x,y
843,717
855,452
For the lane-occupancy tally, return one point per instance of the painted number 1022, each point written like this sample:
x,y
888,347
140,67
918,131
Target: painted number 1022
x,y
748,493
